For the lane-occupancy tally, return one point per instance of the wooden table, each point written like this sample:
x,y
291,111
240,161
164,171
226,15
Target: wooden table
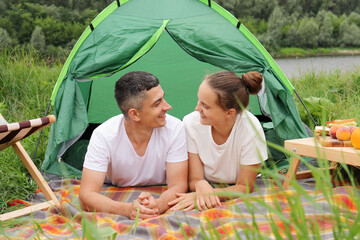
x,y
310,147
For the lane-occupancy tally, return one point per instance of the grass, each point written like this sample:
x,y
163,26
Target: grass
x,y
328,96
26,82
300,52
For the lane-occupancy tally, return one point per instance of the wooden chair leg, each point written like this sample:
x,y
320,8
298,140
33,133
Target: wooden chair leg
x,y
41,182
294,165
35,173
333,168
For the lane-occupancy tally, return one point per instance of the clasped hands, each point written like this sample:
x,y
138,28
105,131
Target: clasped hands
x,y
147,205
203,199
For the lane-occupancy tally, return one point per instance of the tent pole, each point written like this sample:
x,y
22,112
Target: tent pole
x,y
315,124
37,145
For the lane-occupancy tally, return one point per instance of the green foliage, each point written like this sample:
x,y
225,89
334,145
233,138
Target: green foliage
x,y
354,18
276,23
307,33
273,36
341,89
318,106
349,34
5,39
38,39
325,33
255,25
290,37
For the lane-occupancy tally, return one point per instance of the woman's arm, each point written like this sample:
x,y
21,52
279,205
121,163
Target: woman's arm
x,y
245,181
202,195
196,170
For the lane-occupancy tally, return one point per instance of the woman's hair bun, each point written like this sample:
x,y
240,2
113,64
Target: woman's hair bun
x,y
252,81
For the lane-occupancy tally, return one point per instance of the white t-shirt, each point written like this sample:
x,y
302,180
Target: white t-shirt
x,y
111,151
244,146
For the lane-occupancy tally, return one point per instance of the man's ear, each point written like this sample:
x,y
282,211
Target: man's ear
x,y
134,114
230,113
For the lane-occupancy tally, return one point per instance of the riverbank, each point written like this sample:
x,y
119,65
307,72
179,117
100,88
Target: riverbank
x,y
318,52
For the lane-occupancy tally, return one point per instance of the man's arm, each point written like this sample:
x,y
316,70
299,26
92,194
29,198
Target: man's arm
x,y
177,175
91,199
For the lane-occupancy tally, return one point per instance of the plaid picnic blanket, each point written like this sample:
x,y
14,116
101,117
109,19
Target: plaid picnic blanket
x,y
268,213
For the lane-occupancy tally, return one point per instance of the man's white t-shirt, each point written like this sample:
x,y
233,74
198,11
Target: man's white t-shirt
x,y
244,146
111,151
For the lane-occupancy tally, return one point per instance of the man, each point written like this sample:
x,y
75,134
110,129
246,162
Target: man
x,y
142,146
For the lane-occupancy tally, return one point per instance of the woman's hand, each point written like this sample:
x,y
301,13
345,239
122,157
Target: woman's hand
x,y
205,196
185,201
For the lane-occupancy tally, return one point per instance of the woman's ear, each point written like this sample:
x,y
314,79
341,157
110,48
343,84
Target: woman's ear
x,y
134,114
230,113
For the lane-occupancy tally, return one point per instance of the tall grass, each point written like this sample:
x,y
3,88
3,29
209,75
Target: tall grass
x,y
328,96
26,82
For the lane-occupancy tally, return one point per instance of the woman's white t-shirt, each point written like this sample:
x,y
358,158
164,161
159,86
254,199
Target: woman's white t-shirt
x,y
111,151
244,146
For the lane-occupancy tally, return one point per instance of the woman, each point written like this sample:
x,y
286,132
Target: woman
x,y
226,143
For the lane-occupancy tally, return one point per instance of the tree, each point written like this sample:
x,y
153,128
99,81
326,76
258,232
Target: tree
x,y
2,7
228,5
354,18
38,39
327,5
5,39
308,33
353,38
349,34
291,6
273,36
291,37
326,33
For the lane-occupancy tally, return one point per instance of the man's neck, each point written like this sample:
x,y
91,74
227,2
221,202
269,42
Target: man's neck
x,y
138,136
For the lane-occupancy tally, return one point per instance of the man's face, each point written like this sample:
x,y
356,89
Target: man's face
x,y
154,107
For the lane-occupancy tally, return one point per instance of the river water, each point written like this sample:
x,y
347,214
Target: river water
x,y
295,67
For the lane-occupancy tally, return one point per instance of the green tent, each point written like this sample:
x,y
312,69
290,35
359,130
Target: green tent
x,y
179,41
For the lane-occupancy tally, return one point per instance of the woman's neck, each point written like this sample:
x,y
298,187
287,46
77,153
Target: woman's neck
x,y
221,132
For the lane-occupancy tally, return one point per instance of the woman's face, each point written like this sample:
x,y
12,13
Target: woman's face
x,y
211,113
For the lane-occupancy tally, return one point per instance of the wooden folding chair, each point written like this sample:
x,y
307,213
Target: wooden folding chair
x,y
10,135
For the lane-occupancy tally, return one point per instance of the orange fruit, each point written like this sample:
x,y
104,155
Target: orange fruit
x,y
343,134
334,129
355,138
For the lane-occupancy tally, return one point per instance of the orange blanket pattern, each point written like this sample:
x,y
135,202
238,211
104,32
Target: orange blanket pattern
x,y
268,213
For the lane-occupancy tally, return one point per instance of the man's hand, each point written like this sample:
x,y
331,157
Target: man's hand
x,y
144,210
148,201
185,201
